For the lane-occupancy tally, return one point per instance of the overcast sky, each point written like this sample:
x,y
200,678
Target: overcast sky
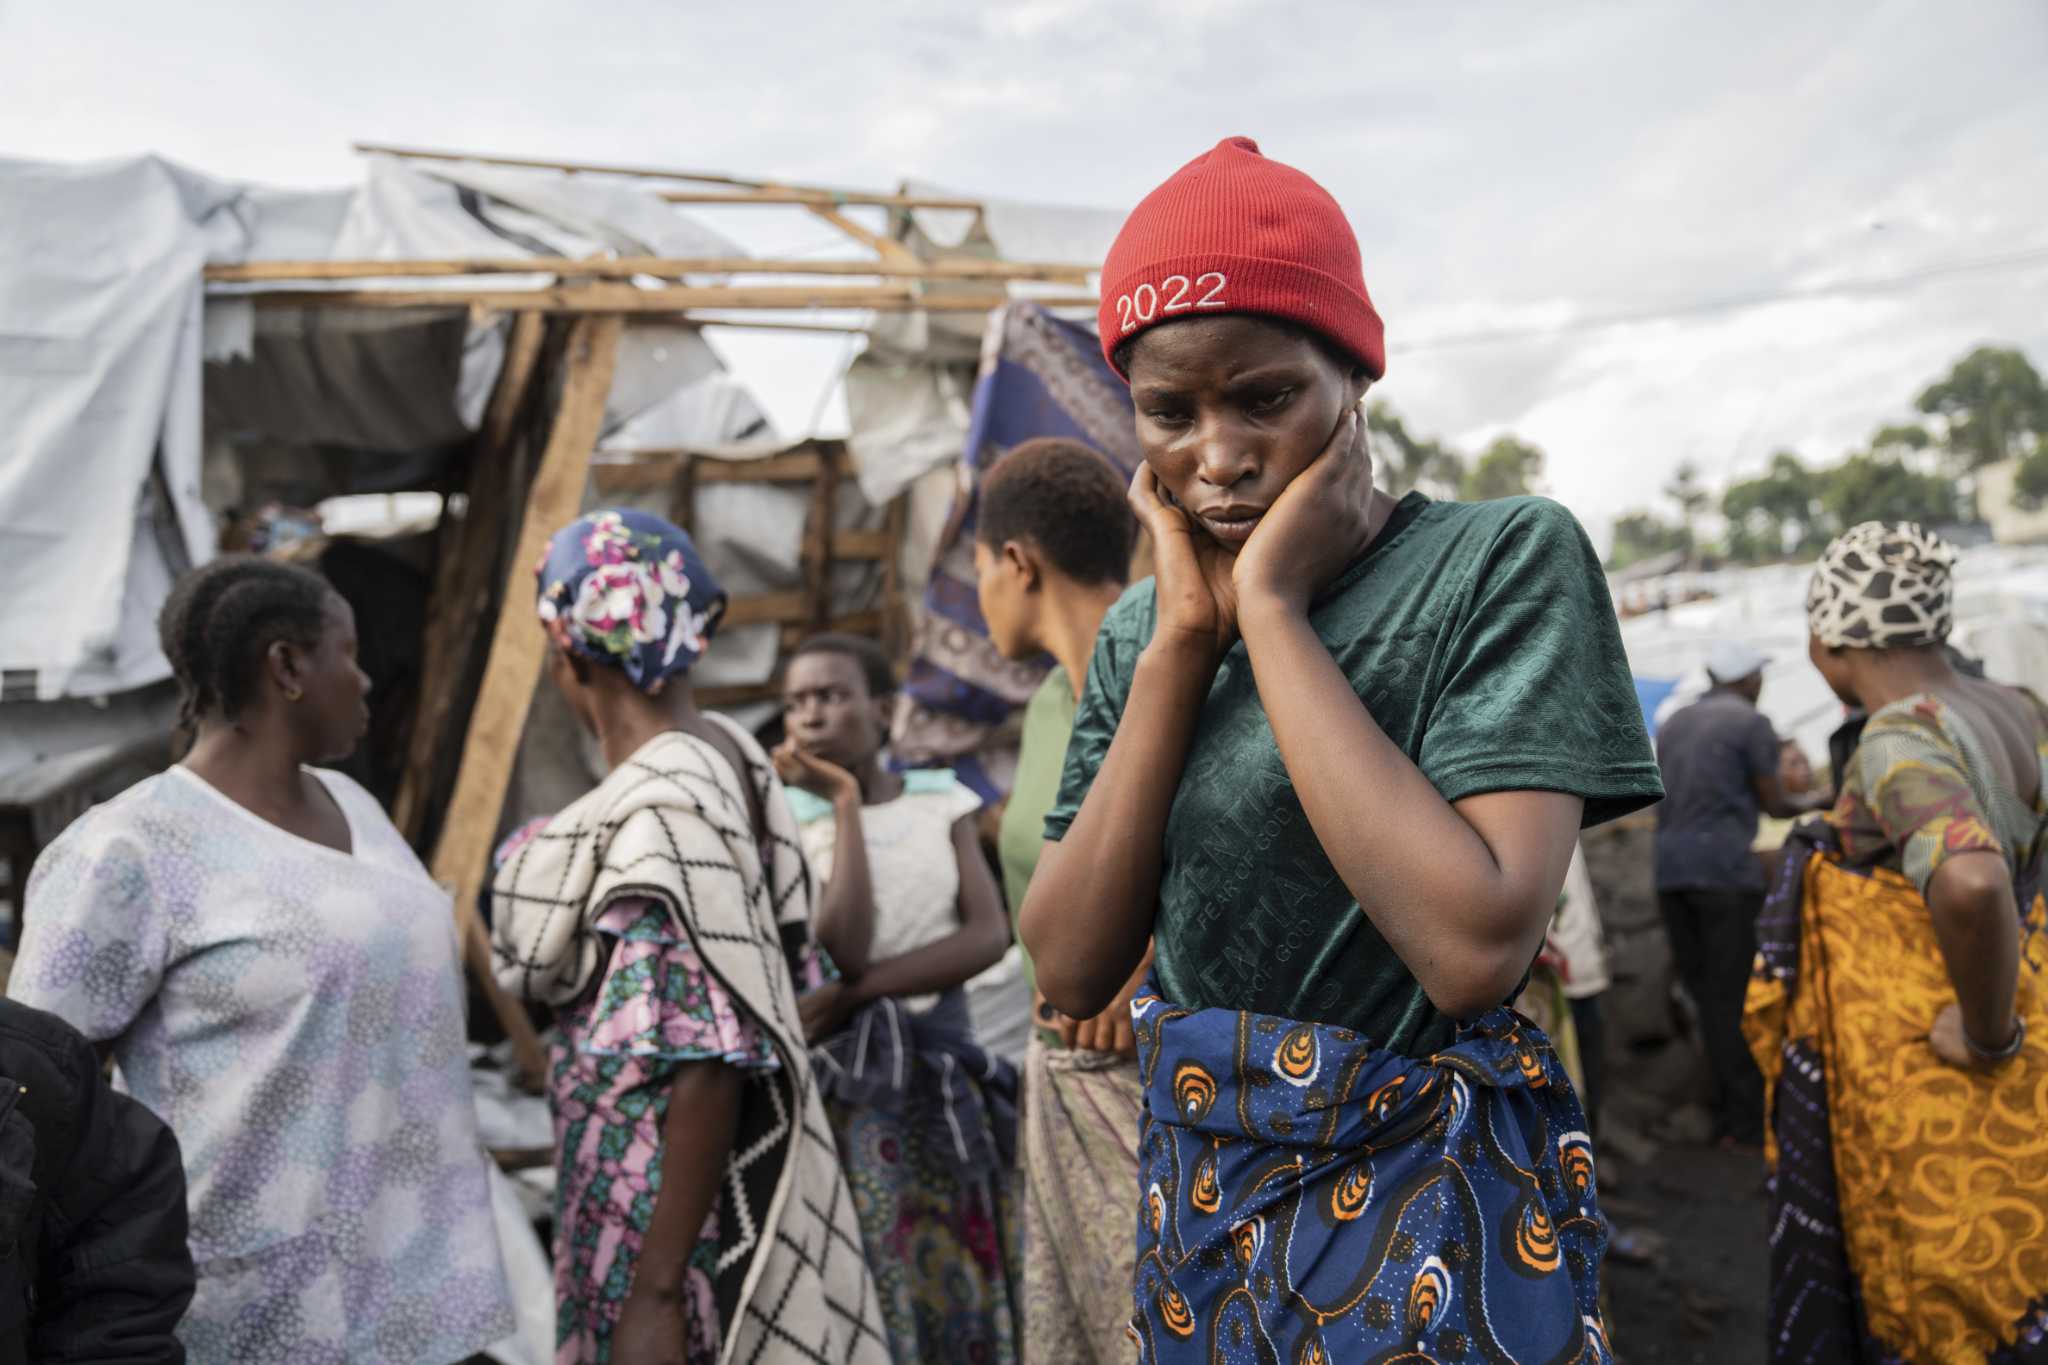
x,y
1514,173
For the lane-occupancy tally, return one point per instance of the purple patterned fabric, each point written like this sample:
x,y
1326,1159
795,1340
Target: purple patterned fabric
x,y
655,1010
1043,377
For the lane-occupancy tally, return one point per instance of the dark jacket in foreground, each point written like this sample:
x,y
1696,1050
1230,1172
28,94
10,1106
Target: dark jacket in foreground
x,y
93,1260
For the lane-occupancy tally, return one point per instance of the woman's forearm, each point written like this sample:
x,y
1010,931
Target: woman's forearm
x,y
1087,917
697,1136
1977,926
1461,894
938,966
845,920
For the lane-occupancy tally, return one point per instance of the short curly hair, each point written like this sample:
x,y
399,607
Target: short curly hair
x,y
220,620
875,668
1065,499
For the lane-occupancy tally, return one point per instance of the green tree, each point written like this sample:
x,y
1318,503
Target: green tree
x,y
1507,468
1897,442
1992,407
1692,497
1775,513
1869,487
2030,480
1407,461
1644,535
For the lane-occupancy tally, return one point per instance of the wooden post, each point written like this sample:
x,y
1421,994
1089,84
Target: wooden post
x,y
818,536
514,664
683,500
463,560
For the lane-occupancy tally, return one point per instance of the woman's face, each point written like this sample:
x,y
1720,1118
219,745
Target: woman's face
x,y
828,711
1231,410
334,707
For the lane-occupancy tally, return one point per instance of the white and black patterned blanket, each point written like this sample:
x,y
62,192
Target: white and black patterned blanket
x,y
672,823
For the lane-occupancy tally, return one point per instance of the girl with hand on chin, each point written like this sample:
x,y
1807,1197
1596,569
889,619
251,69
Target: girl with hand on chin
x,y
924,1116
1331,764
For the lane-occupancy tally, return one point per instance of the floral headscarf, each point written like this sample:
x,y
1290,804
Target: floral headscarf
x,y
626,588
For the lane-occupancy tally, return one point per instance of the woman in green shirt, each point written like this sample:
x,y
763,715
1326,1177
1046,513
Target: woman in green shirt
x,y
1331,763
1053,541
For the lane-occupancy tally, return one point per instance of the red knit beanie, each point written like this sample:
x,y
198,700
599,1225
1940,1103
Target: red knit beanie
x,y
1234,232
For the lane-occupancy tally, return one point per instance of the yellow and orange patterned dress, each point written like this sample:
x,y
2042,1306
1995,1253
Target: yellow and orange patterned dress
x,y
1910,1197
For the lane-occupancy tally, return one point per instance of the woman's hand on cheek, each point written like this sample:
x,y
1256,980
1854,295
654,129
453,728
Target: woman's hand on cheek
x,y
1192,579
1315,528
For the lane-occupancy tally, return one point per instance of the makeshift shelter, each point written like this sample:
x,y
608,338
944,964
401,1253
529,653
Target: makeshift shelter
x,y
515,336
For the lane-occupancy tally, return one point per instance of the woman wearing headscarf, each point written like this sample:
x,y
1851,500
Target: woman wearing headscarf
x,y
1897,1009
700,1211
1331,763
277,976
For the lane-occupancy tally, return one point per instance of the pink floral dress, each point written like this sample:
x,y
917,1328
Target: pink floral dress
x,y
615,1060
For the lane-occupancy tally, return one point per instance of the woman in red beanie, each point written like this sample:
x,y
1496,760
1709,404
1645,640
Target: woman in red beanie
x,y
1331,763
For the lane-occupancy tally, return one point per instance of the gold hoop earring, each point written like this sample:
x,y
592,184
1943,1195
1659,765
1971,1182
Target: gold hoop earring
x,y
293,694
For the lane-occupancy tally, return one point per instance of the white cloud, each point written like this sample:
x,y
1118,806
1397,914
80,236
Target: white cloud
x,y
1507,169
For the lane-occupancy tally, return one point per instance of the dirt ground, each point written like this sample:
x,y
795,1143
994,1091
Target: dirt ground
x,y
1695,1213
1703,1302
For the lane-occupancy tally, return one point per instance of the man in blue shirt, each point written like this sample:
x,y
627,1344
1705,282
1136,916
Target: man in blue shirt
x,y
1719,757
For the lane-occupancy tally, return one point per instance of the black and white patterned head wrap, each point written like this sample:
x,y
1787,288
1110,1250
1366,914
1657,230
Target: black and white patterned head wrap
x,y
1883,586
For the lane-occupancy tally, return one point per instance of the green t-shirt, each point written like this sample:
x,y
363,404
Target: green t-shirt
x,y
1482,639
1048,721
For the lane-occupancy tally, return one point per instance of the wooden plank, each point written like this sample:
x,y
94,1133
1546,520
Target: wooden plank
x,y
797,466
792,608
768,192
533,163
518,644
764,325
654,469
888,248
515,380
683,498
907,266
895,632
817,548
462,571
877,544
828,198
626,298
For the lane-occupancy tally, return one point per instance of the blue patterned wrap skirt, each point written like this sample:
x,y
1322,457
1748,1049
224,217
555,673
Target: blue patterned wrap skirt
x,y
1308,1198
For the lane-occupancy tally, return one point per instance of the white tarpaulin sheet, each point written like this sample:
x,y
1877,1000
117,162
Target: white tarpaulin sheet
x,y
103,330
2001,618
99,383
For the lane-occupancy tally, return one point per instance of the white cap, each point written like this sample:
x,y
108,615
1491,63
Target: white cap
x,y
1732,661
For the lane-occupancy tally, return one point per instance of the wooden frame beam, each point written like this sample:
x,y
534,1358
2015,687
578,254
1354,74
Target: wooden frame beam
x,y
626,298
660,267
535,164
512,669
831,199
745,190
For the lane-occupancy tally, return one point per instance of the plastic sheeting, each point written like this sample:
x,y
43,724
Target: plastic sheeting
x,y
103,331
2001,617
99,385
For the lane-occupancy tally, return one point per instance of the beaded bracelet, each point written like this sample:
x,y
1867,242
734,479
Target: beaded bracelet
x,y
1998,1054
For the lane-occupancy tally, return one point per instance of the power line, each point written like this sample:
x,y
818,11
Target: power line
x,y
1730,304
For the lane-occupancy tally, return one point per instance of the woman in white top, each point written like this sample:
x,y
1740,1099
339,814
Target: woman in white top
x,y
924,1116
277,976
